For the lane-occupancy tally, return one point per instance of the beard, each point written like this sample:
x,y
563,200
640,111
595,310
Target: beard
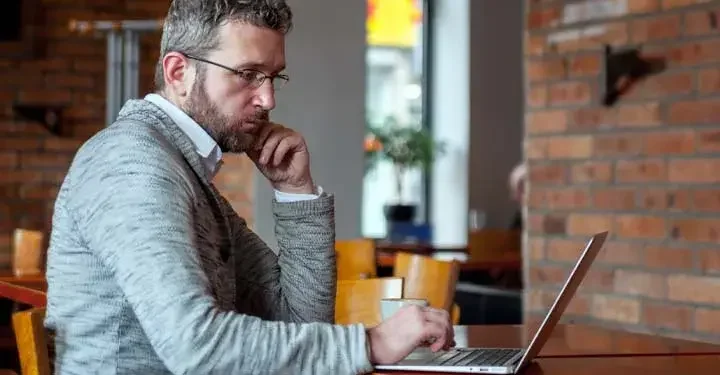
x,y
227,131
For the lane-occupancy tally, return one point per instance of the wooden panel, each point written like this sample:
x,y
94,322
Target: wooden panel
x,y
32,342
358,301
355,259
427,278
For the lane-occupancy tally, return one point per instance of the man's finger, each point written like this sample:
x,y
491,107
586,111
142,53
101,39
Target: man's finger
x,y
435,332
281,150
262,136
268,149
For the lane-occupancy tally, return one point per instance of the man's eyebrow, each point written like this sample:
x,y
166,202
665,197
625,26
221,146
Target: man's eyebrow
x,y
260,67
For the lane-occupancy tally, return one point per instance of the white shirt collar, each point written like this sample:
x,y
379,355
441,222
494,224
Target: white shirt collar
x,y
205,145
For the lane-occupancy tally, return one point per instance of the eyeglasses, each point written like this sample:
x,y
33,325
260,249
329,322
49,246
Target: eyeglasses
x,y
253,78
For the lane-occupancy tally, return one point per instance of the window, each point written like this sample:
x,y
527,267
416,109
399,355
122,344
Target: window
x,y
395,90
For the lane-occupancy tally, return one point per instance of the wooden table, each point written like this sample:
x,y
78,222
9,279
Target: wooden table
x,y
660,365
28,290
582,349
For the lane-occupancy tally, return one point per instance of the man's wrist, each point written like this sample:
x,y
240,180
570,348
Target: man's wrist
x,y
308,188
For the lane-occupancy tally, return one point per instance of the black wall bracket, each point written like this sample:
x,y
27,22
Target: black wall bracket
x,y
624,68
48,116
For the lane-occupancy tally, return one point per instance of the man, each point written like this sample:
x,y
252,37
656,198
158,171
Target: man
x,y
150,271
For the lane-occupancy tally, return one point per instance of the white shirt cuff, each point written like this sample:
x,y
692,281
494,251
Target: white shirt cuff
x,y
291,197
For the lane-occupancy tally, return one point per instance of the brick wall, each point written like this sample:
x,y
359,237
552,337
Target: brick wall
x,y
70,71
647,169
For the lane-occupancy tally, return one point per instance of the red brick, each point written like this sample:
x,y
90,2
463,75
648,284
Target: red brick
x,y
64,80
591,172
669,143
695,112
710,260
537,248
667,258
709,141
546,121
614,199
537,96
598,280
536,198
701,22
564,250
8,160
544,70
707,320
548,224
543,18
45,161
616,309
685,288
664,85
636,226
616,253
591,118
536,148
656,28
693,53
707,200
640,284
670,4
694,170
588,224
697,230
547,174
639,115
643,6
46,96
593,37
566,198
664,315
649,170
585,65
548,274
709,79
664,199
570,147
569,93
534,45
617,145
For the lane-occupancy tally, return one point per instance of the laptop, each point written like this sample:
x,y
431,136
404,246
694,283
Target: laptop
x,y
505,360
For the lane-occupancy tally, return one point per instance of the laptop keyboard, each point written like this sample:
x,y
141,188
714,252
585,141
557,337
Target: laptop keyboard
x,y
474,357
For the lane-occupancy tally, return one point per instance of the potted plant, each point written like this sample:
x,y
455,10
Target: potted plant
x,y
407,148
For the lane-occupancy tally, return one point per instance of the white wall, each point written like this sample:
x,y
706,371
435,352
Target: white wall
x,y
325,101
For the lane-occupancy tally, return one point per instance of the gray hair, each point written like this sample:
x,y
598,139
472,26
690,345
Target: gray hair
x,y
191,26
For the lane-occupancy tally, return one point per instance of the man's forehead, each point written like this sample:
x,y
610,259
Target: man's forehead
x,y
248,44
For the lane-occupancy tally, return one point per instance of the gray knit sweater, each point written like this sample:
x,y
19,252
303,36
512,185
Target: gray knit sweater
x,y
150,271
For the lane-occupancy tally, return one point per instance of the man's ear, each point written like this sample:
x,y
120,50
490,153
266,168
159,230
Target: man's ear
x,y
177,73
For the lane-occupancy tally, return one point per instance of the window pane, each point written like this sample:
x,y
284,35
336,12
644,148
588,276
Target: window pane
x,y
393,97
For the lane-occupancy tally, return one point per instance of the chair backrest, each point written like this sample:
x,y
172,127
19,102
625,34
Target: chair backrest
x,y
28,252
358,301
428,278
356,259
32,341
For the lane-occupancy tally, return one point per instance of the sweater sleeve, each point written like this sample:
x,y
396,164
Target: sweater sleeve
x,y
134,202
298,284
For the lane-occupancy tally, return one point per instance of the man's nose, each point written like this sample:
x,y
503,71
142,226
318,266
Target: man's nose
x,y
265,95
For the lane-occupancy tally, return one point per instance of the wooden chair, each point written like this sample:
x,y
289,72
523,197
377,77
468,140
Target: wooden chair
x,y
28,252
356,259
491,243
430,279
32,341
358,301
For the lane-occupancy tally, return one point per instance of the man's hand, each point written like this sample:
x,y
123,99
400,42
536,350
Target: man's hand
x,y
282,156
409,328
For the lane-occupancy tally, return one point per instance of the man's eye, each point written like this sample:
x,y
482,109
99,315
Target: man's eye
x,y
247,76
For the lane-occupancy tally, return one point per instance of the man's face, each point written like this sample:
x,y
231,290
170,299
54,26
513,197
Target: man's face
x,y
225,104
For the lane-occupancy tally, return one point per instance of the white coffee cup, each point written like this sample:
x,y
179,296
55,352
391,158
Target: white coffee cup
x,y
389,306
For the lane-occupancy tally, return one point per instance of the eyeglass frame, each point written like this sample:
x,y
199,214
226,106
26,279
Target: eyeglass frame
x,y
239,72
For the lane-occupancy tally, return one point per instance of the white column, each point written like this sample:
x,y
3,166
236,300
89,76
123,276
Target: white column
x,y
450,98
